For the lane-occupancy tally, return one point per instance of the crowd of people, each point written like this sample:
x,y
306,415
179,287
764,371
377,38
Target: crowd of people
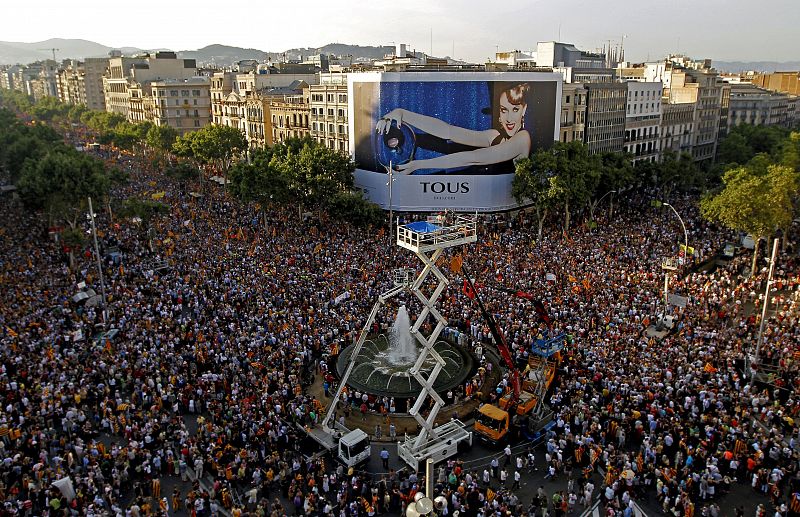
x,y
203,386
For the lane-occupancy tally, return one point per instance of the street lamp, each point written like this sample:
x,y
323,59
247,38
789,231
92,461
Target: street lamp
x,y
609,206
99,264
765,304
389,184
685,233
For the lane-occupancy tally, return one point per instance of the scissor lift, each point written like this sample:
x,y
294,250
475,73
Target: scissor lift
x,y
428,242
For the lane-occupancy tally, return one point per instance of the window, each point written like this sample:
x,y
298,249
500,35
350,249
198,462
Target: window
x,y
176,102
330,112
196,123
184,93
173,93
567,99
196,93
195,102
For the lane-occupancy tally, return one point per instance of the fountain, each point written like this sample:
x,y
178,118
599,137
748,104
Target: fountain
x,y
382,366
402,345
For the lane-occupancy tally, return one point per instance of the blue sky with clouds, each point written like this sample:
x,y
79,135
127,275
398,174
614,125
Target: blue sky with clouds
x,y
465,29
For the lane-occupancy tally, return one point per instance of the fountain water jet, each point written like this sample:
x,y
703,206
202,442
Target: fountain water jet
x,y
383,364
402,345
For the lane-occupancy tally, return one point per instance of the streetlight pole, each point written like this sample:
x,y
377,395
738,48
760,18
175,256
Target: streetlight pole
x,y
685,233
602,198
765,305
99,264
389,184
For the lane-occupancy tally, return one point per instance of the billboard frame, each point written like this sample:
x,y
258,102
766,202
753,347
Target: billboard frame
x,y
436,77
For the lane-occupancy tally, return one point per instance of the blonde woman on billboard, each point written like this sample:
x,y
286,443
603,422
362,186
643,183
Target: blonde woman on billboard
x,y
508,140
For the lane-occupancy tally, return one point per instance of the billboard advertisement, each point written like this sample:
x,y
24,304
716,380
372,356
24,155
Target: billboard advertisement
x,y
450,139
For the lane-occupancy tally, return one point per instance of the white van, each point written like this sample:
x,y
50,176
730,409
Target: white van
x,y
354,448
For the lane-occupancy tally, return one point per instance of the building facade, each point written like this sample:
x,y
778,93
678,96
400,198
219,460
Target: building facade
x,y
183,104
573,112
643,121
677,127
126,73
90,82
605,117
784,82
699,85
750,104
289,116
328,106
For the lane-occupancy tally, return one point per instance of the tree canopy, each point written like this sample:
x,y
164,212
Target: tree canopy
x,y
212,144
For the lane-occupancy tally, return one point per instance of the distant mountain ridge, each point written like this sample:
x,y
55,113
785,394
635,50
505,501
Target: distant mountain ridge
x,y
12,52
222,54
735,67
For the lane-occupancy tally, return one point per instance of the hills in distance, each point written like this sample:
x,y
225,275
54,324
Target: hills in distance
x,y
15,52
222,55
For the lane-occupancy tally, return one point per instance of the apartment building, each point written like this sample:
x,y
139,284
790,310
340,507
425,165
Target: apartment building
x,y
750,104
289,116
643,120
605,116
44,83
125,73
68,84
183,104
241,98
677,127
784,82
328,104
573,112
699,85
90,82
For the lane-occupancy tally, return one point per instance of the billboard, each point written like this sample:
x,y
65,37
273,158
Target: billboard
x,y
450,139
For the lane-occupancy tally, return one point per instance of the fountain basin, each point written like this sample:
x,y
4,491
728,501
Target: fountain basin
x,y
379,371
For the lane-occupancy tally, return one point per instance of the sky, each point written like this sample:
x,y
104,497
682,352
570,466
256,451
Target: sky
x,y
471,30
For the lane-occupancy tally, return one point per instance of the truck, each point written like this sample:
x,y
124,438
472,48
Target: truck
x,y
452,437
525,410
354,448
493,423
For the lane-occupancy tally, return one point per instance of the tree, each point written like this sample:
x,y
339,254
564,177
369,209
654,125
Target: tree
x,y
754,201
142,212
790,151
615,173
577,174
311,172
353,208
674,171
734,149
212,144
102,121
183,172
73,239
124,135
161,138
61,181
531,184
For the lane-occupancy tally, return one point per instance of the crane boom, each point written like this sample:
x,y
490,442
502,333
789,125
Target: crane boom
x,y
499,338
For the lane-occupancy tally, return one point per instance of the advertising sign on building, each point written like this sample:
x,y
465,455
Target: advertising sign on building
x,y
450,139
